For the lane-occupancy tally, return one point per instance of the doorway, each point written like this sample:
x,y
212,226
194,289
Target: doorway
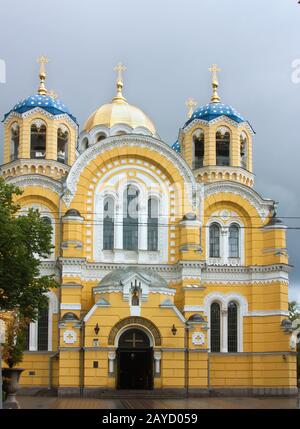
x,y
135,361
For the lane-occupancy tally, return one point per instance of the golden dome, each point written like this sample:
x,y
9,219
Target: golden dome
x,y
119,111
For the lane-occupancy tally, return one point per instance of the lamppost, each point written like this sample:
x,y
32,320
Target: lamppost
x,y
2,340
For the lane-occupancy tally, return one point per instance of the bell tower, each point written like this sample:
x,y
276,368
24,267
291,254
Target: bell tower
x,y
216,141
40,134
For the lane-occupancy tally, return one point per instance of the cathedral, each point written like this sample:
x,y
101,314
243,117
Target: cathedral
x,y
172,270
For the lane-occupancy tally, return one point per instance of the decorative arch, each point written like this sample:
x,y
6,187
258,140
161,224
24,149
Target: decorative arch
x,y
135,321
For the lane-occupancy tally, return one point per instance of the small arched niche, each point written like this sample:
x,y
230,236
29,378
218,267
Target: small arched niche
x,y
38,131
14,141
198,147
244,150
223,146
62,144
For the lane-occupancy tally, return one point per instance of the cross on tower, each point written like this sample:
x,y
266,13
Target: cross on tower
x,y
190,103
42,60
214,70
120,68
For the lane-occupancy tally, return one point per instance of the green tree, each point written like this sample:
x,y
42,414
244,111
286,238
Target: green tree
x,y
294,312
24,240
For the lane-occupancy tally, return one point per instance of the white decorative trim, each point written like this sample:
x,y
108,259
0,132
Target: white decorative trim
x,y
263,313
36,180
262,206
222,119
70,306
39,110
145,142
193,308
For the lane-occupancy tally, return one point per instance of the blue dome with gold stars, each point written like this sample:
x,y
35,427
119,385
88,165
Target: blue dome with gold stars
x,y
45,102
176,146
211,111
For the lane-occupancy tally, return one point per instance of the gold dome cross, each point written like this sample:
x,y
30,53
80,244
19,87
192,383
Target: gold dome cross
x,y
191,103
214,69
42,60
120,68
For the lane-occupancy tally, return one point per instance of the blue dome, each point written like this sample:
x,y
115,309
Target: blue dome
x,y
176,146
211,111
46,102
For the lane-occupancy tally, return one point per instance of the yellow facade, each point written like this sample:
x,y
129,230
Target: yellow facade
x,y
204,287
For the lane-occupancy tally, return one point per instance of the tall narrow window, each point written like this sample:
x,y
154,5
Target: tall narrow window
x,y
232,327
214,241
215,327
26,337
234,241
198,140
108,224
38,140
223,147
130,218
244,150
43,329
62,144
152,224
14,141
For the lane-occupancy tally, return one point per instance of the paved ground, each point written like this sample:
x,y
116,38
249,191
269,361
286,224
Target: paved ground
x,y
28,402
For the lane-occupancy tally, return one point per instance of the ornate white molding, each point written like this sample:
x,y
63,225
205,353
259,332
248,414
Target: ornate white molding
x,y
36,180
221,119
262,206
39,110
145,142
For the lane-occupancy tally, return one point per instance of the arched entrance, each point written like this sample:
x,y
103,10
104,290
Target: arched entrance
x,y
135,360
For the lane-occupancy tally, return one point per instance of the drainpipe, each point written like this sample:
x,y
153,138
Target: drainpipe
x,y
51,357
208,372
81,358
186,359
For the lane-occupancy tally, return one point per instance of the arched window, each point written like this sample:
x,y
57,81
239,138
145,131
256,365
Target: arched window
x,y
100,136
130,218
108,224
223,146
234,234
62,144
244,150
215,327
14,141
198,140
232,327
85,143
152,224
38,140
214,241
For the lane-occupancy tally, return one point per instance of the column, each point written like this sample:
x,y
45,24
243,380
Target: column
x,y
111,360
224,330
157,359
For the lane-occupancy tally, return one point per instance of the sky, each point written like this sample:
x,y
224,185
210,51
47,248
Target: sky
x,y
167,47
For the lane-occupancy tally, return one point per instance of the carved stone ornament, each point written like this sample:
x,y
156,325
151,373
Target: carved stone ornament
x,y
70,337
198,338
